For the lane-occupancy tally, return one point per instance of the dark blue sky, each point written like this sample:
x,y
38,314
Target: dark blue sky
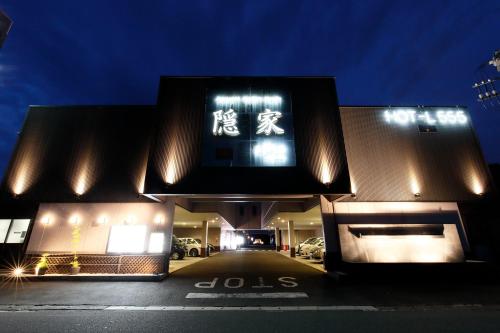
x,y
113,52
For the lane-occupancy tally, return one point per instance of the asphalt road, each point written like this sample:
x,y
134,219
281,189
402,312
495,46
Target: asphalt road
x,y
442,321
225,281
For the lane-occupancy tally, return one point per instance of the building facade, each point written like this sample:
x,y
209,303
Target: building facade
x,y
112,184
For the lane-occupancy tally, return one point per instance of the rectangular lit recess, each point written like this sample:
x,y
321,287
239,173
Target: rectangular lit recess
x,y
400,243
435,230
18,231
127,239
4,228
156,240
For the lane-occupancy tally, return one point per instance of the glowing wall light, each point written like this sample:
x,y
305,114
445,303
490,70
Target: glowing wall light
x,y
74,220
354,188
19,185
414,183
130,219
101,220
45,220
326,176
159,219
476,185
26,165
83,172
170,172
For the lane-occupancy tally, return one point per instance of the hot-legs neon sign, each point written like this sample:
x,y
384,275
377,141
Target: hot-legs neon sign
x,y
435,117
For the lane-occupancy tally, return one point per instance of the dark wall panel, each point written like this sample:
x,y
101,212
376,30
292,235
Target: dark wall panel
x,y
390,162
175,165
89,153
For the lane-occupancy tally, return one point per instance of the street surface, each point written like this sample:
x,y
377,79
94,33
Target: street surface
x,y
253,291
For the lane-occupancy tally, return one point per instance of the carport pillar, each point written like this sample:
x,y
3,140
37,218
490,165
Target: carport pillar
x,y
277,239
204,239
291,238
168,229
333,256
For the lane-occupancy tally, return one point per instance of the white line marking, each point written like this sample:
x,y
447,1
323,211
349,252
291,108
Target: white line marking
x,y
247,295
244,308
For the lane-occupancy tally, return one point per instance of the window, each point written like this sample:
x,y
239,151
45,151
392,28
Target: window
x,y
4,228
156,242
17,232
127,239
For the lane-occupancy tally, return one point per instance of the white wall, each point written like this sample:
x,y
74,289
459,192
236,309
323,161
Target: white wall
x,y
56,236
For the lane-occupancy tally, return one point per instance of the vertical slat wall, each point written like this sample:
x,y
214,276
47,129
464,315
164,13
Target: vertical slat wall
x,y
390,162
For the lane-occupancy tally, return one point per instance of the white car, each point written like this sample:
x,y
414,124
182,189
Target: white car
x,y
310,240
306,249
192,246
316,251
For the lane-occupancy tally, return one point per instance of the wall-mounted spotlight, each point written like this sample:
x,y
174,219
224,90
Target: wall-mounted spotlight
x,y
45,221
102,220
159,219
130,219
74,220
417,194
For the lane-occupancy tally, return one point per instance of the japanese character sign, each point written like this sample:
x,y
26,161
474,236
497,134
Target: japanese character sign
x,y
267,122
225,122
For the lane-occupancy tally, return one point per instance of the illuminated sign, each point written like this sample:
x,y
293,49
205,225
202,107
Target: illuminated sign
x,y
249,129
425,117
225,122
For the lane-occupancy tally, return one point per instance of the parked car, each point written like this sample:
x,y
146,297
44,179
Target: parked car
x,y
306,242
178,250
193,248
316,251
211,248
258,241
306,249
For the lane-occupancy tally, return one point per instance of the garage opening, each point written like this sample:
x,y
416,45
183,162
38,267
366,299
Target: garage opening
x,y
283,228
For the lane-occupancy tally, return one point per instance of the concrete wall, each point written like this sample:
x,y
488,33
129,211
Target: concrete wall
x,y
213,234
56,236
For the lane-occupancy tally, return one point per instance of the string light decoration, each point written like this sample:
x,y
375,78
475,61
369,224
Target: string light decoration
x,y
487,92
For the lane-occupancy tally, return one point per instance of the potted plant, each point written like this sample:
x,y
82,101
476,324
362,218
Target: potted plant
x,y
75,266
42,266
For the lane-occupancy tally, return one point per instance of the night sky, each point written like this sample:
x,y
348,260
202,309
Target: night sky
x,y
113,52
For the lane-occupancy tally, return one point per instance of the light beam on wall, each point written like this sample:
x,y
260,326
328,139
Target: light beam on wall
x,y
26,165
83,173
476,185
